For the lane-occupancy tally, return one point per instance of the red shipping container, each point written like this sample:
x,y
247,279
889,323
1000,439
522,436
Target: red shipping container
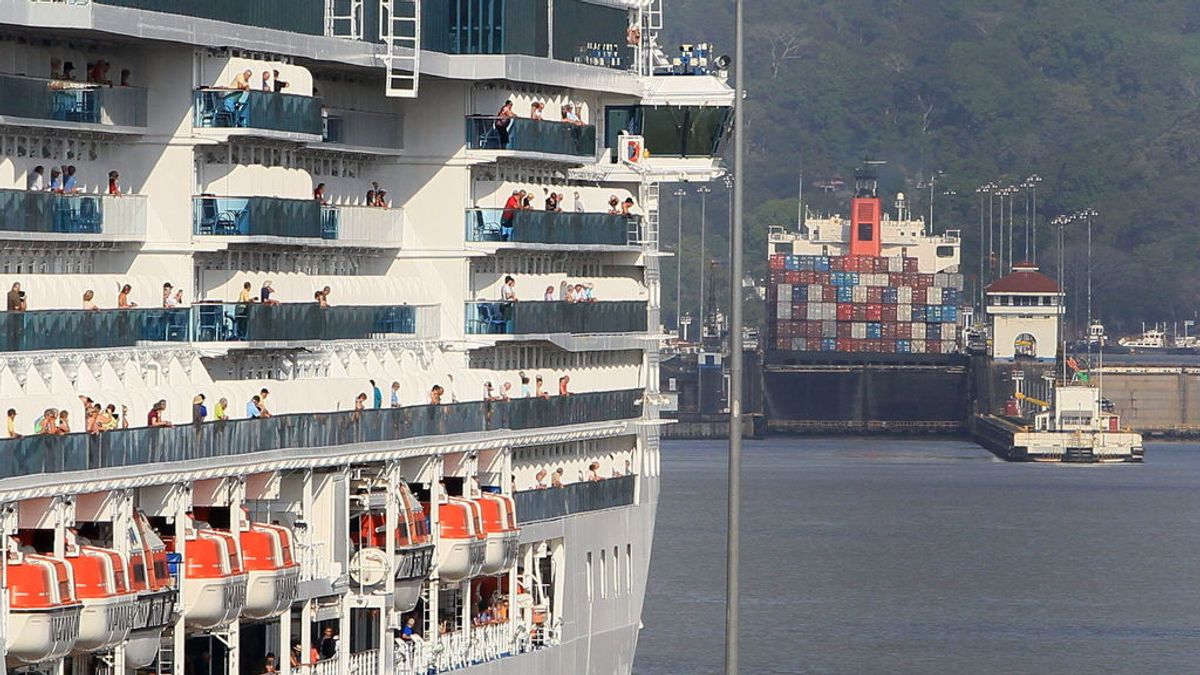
x,y
829,294
821,278
874,312
888,330
875,294
837,264
904,331
813,330
888,313
778,277
911,265
776,262
859,313
806,276
845,345
783,343
889,347
845,311
799,311
793,277
895,279
845,329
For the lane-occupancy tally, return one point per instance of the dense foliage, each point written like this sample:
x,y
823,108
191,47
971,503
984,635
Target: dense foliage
x,y
1099,97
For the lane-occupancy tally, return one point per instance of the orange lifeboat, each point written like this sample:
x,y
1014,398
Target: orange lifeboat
x,y
150,578
273,576
43,613
414,552
102,585
501,531
461,541
213,590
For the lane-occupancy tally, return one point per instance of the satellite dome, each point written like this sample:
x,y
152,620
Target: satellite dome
x,y
900,196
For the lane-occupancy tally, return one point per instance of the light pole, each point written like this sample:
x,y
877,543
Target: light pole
x,y
1012,191
1088,214
703,191
1061,221
993,187
986,188
1001,193
1033,181
933,179
733,623
679,259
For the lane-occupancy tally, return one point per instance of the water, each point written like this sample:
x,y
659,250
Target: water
x,y
891,556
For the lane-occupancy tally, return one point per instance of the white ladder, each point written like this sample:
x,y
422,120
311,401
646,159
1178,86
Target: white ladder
x,y
344,19
648,52
650,192
400,30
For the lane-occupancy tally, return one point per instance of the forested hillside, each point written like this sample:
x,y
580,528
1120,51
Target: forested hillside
x,y
1101,98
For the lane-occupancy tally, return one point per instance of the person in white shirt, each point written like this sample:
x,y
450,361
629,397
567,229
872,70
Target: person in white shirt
x,y
549,296
508,292
36,181
578,203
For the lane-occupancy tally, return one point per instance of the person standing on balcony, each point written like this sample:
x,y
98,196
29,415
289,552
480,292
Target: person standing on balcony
x,y
70,183
64,425
578,202
570,117
199,410
114,183
563,385
329,643
12,423
435,394
56,181
319,194
627,207
614,205
123,298
511,206
253,411
68,71
536,109
266,82
376,395
16,298
125,73
552,203
280,85
266,292
548,296
89,303
538,391
263,411
504,120
157,415
36,181
508,292
221,412
244,297
241,81
166,296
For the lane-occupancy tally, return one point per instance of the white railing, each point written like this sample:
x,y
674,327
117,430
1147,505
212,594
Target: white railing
x,y
365,663
414,657
124,216
370,224
313,563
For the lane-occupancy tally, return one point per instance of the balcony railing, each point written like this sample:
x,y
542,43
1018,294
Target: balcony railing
x,y
295,218
552,503
379,132
547,227
235,438
119,216
554,138
61,101
207,322
524,318
263,110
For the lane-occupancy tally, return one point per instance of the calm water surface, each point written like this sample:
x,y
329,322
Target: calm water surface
x,y
889,556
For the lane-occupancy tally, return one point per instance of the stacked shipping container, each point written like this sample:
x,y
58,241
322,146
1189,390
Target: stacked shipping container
x,y
861,304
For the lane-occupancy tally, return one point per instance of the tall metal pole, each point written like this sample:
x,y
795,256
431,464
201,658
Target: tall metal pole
x,y
1034,180
732,597
991,228
703,191
1012,192
1026,186
679,263
1000,248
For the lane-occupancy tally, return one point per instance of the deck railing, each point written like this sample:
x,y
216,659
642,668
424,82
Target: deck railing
x,y
560,502
525,318
234,438
527,135
252,109
63,101
120,216
547,227
295,218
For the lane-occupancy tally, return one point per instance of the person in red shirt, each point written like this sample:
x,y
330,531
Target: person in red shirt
x,y
510,210
114,183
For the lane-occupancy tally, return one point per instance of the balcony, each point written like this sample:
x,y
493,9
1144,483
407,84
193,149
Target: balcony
x,y
546,227
206,322
273,217
258,113
568,500
363,132
41,103
45,454
532,318
46,215
531,136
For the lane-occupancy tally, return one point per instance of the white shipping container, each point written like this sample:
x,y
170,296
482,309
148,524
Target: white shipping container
x,y
941,279
785,311
815,292
828,329
949,332
785,292
918,346
956,281
933,295
860,293
858,330
904,296
949,347
896,264
904,312
799,344
814,312
830,311
918,331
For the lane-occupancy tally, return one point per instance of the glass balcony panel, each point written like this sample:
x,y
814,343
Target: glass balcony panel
x,y
47,212
363,224
553,503
130,447
546,227
56,100
525,318
265,110
257,216
359,129
526,135
237,322
78,329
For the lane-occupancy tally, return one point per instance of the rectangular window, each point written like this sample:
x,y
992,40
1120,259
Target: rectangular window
x,y
629,568
603,572
589,576
616,562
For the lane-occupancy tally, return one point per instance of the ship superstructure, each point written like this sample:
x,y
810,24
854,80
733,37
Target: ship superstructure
x,y
332,333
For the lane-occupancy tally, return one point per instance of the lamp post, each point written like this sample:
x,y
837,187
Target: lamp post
x,y
1012,192
1033,181
680,193
931,183
1088,214
985,189
703,191
733,623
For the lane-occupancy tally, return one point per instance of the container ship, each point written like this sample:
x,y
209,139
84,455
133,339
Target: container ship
x,y
862,312
292,376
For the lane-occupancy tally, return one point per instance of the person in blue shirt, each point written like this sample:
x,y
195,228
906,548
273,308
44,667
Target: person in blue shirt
x,y
70,183
376,395
395,394
252,409
409,629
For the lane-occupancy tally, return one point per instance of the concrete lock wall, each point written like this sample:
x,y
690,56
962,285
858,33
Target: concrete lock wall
x,y
1161,399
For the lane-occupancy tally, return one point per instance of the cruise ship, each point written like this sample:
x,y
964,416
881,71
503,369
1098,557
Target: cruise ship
x,y
332,329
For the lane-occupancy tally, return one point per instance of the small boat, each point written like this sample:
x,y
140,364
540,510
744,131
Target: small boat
x,y
43,612
500,525
150,578
461,540
102,585
272,574
213,591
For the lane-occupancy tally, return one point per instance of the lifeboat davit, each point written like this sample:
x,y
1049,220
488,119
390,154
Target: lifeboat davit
x,y
461,541
43,613
501,531
150,578
273,576
109,603
213,590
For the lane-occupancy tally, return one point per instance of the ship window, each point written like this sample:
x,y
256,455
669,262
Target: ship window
x,y
945,251
629,568
603,573
866,232
616,572
589,576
